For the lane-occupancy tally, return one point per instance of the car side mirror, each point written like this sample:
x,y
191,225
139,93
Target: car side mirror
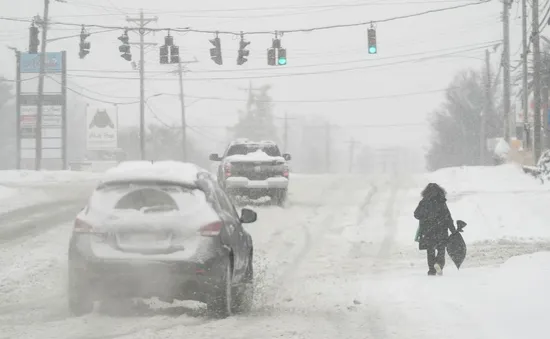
x,y
214,157
287,157
248,216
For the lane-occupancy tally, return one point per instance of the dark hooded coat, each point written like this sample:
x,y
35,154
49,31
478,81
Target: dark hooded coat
x,y
434,218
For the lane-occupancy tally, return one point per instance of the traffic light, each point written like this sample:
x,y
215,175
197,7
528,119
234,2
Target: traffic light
x,y
33,39
216,52
125,47
163,54
243,53
281,58
271,57
174,54
168,40
84,46
371,33
276,55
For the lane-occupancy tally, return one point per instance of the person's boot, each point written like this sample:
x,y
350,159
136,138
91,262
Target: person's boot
x,y
432,271
438,269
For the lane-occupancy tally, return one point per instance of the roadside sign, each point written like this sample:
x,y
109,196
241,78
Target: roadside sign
x,y
101,129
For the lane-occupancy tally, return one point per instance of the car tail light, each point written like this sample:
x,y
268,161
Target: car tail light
x,y
81,226
285,172
227,169
212,229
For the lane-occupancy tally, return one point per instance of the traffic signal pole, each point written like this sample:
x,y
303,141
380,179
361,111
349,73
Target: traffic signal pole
x,y
509,127
536,80
525,101
40,103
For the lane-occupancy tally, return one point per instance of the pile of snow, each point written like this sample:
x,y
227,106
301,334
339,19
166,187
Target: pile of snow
x,y
504,178
6,192
508,302
258,155
24,176
498,203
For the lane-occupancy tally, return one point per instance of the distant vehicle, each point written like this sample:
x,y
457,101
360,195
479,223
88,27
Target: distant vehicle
x,y
254,169
163,230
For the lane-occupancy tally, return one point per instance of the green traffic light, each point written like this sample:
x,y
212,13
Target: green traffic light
x,y
372,50
282,61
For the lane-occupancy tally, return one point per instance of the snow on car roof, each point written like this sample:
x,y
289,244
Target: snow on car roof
x,y
168,171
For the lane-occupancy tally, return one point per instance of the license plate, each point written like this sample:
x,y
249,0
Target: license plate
x,y
257,169
144,238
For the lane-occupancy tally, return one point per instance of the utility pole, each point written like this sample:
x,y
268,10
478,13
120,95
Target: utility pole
x,y
352,144
142,22
40,104
506,66
183,122
182,103
486,111
286,133
525,101
327,147
536,80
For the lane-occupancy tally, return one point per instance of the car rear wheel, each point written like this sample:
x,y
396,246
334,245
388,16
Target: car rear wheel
x,y
79,298
221,303
244,298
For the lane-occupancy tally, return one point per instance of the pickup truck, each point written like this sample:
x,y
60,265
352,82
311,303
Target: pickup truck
x,y
253,170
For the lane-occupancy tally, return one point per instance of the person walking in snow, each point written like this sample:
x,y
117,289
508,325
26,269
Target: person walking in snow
x,y
435,221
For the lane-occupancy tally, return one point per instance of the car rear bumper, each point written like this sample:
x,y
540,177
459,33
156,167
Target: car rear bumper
x,y
167,280
269,183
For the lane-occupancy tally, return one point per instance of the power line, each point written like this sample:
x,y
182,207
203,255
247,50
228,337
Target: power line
x,y
302,30
286,8
288,74
480,45
397,95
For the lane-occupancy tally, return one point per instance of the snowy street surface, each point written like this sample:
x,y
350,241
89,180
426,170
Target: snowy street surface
x,y
338,262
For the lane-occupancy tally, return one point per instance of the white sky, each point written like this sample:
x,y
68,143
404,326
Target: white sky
x,y
400,43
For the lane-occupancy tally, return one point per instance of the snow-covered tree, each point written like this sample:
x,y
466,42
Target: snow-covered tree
x,y
456,124
257,123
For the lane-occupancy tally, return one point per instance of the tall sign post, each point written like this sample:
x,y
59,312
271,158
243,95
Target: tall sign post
x,y
54,110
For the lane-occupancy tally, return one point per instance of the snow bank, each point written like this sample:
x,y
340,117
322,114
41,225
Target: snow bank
x,y
497,203
22,177
508,302
504,178
6,192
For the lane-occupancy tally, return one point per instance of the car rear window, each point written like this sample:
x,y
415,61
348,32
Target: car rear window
x,y
147,198
271,150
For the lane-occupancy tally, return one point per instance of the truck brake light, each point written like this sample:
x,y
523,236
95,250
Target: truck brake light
x,y
227,169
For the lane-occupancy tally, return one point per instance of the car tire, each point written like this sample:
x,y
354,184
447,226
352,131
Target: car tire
x,y
79,299
220,304
244,298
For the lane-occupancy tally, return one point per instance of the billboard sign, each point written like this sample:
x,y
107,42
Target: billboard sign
x,y
101,130
30,63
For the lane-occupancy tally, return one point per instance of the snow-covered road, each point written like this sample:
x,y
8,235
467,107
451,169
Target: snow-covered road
x,y
337,262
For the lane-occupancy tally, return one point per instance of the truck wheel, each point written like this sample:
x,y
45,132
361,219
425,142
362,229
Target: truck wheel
x,y
279,197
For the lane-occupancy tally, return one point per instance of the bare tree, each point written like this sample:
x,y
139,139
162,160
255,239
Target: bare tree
x,y
456,124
